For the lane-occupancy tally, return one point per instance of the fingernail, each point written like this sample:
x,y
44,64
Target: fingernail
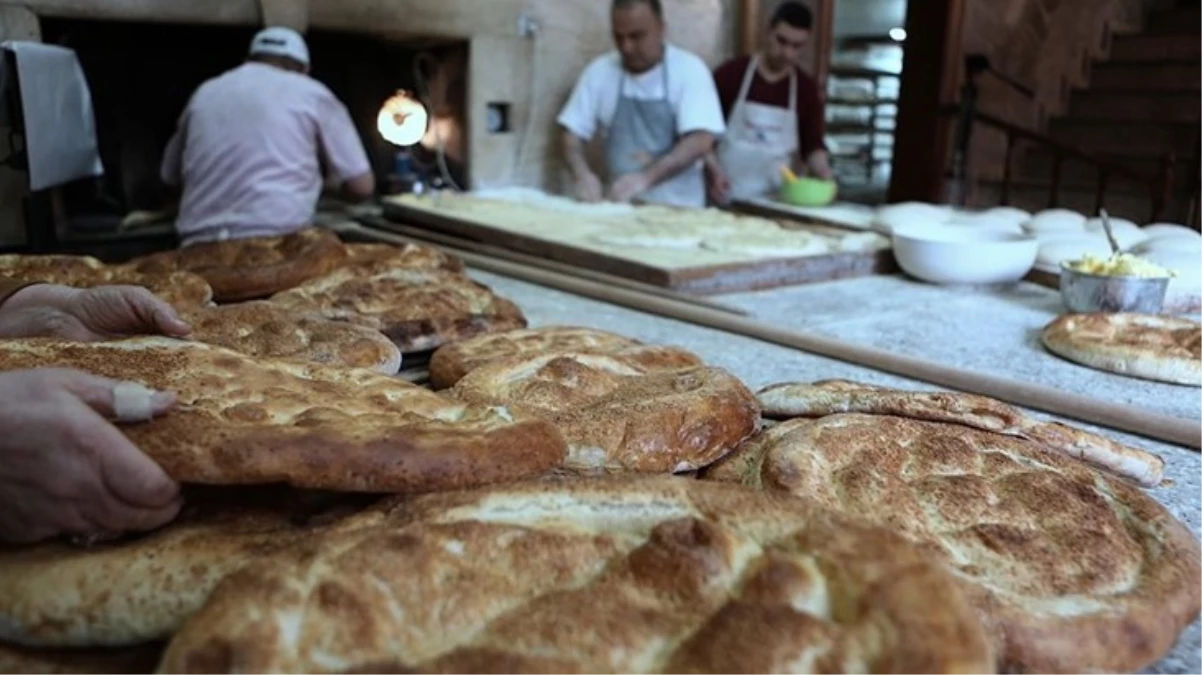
x,y
161,400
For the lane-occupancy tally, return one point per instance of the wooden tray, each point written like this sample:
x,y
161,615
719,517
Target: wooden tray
x,y
702,280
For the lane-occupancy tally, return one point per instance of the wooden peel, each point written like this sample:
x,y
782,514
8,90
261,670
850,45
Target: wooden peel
x,y
1130,419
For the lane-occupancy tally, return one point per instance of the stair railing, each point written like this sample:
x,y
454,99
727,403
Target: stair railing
x,y
1159,183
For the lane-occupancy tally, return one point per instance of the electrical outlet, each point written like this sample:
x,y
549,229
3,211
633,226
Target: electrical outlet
x,y
528,26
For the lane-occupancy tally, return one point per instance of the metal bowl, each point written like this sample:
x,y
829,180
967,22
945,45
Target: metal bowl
x,y
1084,293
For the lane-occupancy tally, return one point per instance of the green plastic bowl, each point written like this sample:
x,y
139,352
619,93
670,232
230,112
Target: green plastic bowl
x,y
808,192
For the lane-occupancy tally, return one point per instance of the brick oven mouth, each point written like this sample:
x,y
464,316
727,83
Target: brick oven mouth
x,y
141,75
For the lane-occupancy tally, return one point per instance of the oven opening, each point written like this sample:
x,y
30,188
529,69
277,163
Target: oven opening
x,y
141,75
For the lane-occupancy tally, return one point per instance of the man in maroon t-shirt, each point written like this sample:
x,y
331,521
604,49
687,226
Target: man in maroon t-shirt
x,y
774,113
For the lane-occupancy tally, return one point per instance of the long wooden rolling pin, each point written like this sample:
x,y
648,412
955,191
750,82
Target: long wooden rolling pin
x,y
1134,420
461,244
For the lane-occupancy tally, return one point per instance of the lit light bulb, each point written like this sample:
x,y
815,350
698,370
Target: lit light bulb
x,y
402,120
897,34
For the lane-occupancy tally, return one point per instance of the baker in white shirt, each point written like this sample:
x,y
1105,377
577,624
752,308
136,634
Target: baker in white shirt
x,y
656,106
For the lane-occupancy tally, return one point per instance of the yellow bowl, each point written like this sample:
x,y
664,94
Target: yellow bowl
x,y
808,192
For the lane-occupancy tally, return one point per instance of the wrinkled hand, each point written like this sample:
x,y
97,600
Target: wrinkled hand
x,y
588,188
629,186
48,310
65,469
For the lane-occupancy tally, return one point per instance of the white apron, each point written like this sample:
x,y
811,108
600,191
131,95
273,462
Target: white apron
x,y
643,131
759,140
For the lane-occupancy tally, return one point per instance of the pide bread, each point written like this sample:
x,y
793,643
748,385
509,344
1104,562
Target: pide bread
x,y
244,420
451,362
140,589
622,411
255,267
263,329
179,288
1152,347
419,309
632,576
1070,570
828,397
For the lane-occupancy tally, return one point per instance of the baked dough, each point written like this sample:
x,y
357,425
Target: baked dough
x,y
419,309
626,411
181,289
243,420
266,330
403,255
256,267
829,397
628,576
451,362
138,590
1151,347
1071,571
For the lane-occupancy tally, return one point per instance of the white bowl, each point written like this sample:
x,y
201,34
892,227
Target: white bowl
x,y
962,255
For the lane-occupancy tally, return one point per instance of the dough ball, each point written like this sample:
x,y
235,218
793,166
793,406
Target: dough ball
x,y
1170,243
1057,220
1052,252
909,214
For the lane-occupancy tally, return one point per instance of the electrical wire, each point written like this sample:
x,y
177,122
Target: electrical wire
x,y
423,95
528,130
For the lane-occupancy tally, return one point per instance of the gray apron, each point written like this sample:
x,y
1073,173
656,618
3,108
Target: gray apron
x,y
641,132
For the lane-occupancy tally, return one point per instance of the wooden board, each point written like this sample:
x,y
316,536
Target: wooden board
x,y
791,216
701,280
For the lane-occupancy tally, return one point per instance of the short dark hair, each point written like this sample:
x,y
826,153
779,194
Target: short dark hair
x,y
793,13
656,6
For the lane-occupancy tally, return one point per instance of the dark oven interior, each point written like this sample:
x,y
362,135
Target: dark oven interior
x,y
142,74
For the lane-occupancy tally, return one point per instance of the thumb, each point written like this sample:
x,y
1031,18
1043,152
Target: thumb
x,y
119,400
158,316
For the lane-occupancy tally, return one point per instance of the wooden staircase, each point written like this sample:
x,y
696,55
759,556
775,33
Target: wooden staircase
x,y
1142,101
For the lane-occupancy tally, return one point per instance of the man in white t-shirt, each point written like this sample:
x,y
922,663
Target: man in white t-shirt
x,y
657,107
247,147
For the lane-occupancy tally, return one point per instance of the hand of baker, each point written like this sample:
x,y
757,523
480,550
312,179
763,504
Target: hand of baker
x,y
717,186
629,186
50,310
65,469
588,188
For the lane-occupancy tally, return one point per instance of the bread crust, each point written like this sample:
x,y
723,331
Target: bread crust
x,y
635,410
256,267
418,308
452,361
1151,347
140,589
242,420
264,329
179,288
829,397
636,575
1071,571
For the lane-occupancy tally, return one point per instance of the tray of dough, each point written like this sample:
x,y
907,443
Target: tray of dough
x,y
700,251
